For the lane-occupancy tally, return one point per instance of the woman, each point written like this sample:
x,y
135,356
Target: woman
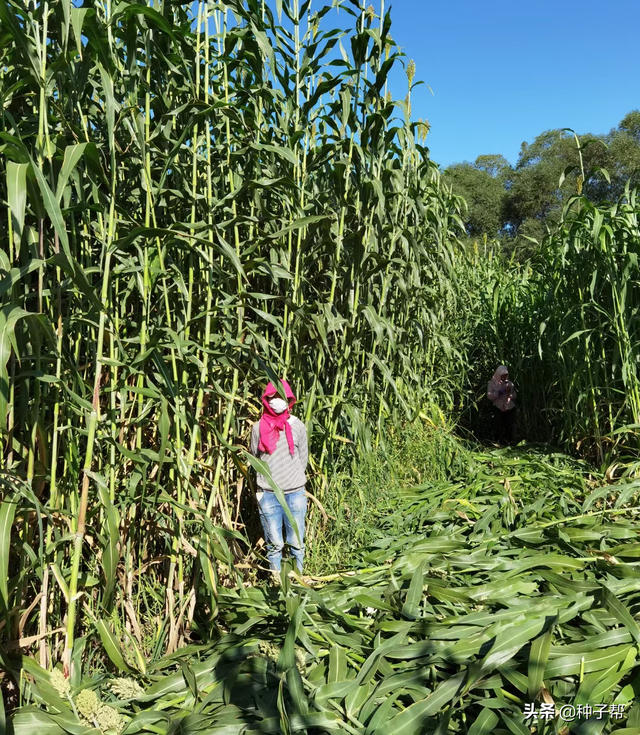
x,y
280,440
502,394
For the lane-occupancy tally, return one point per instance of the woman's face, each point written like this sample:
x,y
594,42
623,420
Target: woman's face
x,y
504,377
279,405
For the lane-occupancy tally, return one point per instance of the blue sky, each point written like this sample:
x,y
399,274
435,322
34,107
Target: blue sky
x,y
504,71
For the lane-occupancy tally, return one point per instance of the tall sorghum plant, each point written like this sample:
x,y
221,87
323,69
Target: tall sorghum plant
x,y
195,196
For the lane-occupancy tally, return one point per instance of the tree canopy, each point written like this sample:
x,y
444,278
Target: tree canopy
x,y
523,200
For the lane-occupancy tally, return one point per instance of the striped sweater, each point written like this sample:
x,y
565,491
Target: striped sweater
x,y
287,472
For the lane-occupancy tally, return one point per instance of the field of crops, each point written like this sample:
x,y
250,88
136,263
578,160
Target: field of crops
x,y
199,198
512,582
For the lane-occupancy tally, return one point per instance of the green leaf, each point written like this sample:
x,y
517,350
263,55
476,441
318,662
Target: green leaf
x,y
110,103
110,555
125,10
17,197
620,612
485,722
572,664
538,658
265,47
207,672
7,514
31,720
337,670
414,594
190,678
516,727
77,20
316,721
53,210
382,715
415,715
356,698
509,641
9,316
72,154
112,647
299,223
164,424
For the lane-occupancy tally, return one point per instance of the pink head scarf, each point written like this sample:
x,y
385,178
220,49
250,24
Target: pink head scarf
x,y
502,394
272,423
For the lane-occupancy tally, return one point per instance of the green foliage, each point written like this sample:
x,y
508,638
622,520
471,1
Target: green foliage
x,y
532,194
196,200
361,500
510,580
205,197
590,336
566,324
536,193
484,193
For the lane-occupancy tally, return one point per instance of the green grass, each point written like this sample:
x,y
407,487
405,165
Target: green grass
x,y
362,499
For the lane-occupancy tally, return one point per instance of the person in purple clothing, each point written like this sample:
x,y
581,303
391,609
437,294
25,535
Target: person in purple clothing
x,y
502,393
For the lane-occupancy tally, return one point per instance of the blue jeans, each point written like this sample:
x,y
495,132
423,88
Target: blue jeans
x,y
273,516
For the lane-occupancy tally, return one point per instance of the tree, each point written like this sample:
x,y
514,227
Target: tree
x,y
630,125
624,153
482,185
525,200
495,165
